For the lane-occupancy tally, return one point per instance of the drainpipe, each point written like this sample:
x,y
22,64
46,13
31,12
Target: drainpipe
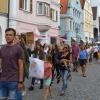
x,y
8,13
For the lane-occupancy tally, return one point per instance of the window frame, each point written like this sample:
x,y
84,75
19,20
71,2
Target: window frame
x,y
45,9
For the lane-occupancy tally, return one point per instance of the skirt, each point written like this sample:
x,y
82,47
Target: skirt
x,y
47,82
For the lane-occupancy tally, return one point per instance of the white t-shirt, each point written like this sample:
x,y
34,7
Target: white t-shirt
x,y
95,48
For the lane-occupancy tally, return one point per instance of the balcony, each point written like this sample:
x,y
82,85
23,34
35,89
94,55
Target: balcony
x,y
43,28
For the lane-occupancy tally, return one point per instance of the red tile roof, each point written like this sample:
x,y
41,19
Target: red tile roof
x,y
64,6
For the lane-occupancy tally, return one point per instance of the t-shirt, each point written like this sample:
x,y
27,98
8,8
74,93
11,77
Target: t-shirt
x,y
83,54
47,69
75,51
10,56
95,49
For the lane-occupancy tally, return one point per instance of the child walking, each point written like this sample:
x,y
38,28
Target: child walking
x,y
47,76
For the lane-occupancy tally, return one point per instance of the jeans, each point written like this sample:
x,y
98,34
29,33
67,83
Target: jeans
x,y
8,90
19,95
64,74
41,82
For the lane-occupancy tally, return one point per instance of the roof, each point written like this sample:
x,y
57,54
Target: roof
x,y
64,6
82,3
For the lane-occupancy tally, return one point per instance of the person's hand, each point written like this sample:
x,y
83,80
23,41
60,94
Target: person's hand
x,y
0,68
20,85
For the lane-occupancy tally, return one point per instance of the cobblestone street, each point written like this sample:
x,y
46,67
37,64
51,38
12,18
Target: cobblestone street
x,y
79,88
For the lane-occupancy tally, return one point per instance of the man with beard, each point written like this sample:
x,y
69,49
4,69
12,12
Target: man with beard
x,y
11,76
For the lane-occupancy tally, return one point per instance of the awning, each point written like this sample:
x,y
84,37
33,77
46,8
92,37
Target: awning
x,y
53,33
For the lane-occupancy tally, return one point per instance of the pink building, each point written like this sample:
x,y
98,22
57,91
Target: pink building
x,y
42,17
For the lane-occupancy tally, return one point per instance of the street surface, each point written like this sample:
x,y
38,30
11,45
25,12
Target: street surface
x,y
79,88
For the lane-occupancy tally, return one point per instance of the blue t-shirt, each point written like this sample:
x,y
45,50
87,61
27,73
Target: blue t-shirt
x,y
83,54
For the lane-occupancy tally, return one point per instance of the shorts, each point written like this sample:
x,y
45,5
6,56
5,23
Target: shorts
x,y
75,61
82,62
47,82
8,90
95,55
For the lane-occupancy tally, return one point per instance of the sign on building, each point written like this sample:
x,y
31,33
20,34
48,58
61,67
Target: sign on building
x,y
29,38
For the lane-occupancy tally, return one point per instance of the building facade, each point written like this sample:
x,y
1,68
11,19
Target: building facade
x,y
3,19
88,20
96,19
71,20
41,17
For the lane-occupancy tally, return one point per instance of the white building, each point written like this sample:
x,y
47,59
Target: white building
x,y
3,20
96,19
3,26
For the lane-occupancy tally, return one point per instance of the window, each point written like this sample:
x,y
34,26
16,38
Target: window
x,y
73,11
40,8
79,15
25,5
73,26
43,9
47,10
54,14
70,25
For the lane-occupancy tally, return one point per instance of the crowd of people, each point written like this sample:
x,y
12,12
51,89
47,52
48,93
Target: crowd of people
x,y
59,62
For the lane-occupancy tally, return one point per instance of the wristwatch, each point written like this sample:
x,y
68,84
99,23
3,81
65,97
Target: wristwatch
x,y
20,82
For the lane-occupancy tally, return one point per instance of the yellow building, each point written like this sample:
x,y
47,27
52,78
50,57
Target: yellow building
x,y
3,6
88,20
3,19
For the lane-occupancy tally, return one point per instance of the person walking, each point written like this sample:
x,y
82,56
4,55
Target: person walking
x,y
11,76
75,55
65,60
47,76
37,53
83,59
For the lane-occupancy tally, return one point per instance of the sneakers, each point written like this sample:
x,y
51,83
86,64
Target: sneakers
x,y
23,93
41,87
31,88
62,93
83,75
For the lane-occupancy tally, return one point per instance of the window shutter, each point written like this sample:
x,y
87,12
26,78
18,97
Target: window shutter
x,y
31,6
56,15
51,13
21,4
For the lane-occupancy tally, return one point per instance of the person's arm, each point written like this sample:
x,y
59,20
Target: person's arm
x,y
0,65
21,70
21,74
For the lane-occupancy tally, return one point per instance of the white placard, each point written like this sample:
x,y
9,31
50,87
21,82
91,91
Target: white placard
x,y
36,68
